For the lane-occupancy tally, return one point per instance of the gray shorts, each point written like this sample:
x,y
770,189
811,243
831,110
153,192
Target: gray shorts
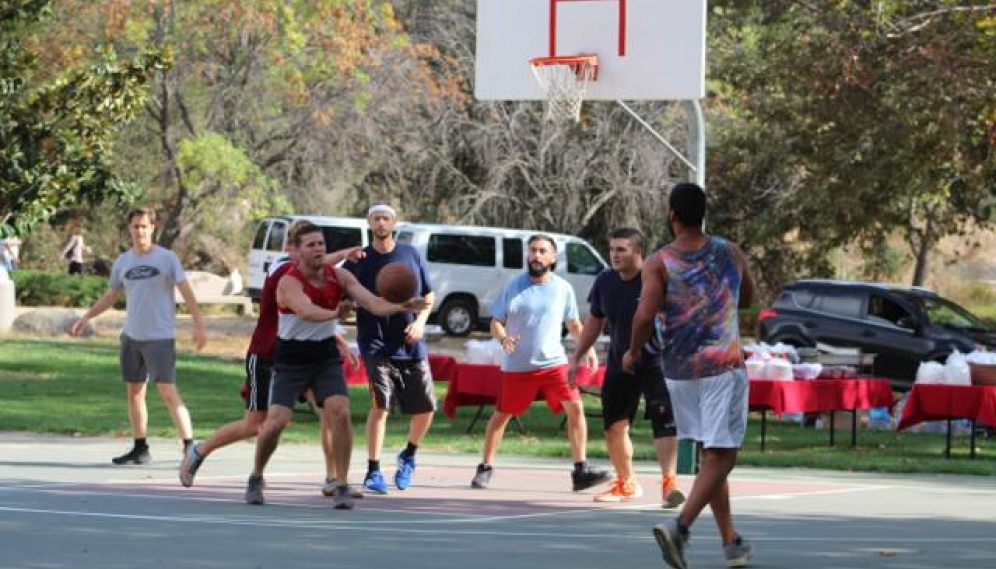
x,y
148,360
406,384
712,410
289,382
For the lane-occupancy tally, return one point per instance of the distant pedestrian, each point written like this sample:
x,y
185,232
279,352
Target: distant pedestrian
x,y
698,281
10,252
75,251
147,274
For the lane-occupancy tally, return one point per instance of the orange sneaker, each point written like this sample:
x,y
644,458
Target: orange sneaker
x,y
672,497
621,491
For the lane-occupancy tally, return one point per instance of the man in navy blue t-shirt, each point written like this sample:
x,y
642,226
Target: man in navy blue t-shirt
x,y
614,297
394,353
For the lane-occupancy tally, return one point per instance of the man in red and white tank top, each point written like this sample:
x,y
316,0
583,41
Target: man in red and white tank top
x,y
309,299
695,284
259,367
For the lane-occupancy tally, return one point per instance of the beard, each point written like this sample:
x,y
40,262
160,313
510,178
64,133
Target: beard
x,y
537,270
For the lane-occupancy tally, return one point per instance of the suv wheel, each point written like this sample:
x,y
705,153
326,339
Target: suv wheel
x,y
457,317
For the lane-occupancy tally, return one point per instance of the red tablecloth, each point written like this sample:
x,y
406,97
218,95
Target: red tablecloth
x,y
931,402
480,384
818,395
443,368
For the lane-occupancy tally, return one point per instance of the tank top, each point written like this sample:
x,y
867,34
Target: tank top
x,y
701,323
299,341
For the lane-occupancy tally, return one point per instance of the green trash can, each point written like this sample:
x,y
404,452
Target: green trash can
x,y
688,459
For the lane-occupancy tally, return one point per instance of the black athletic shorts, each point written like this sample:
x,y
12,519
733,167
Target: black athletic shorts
x,y
406,384
259,373
621,398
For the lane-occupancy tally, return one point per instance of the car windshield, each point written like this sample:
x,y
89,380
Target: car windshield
x,y
946,313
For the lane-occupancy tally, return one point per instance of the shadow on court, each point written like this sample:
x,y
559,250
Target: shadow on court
x,y
57,511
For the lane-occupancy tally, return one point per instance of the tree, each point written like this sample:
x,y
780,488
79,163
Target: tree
x,y
861,118
58,130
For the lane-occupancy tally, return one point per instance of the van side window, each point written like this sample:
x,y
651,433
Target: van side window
x,y
511,248
404,237
259,239
276,240
580,260
461,250
341,237
794,299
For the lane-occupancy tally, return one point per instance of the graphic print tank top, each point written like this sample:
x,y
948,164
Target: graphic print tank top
x,y
701,324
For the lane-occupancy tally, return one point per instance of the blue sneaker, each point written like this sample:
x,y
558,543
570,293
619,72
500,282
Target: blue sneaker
x,y
406,467
375,483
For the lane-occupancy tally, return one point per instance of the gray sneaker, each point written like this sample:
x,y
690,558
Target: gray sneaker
x,y
341,498
482,477
738,553
328,489
254,490
192,460
672,543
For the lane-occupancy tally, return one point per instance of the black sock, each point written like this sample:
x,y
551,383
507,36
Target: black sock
x,y
410,450
187,443
485,467
579,467
373,466
141,444
682,528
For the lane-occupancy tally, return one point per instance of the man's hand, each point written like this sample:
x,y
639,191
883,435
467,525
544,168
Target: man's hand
x,y
79,326
509,343
354,254
345,309
630,359
200,337
415,304
414,332
572,371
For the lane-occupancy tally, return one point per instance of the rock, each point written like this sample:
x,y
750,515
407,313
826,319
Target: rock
x,y
49,322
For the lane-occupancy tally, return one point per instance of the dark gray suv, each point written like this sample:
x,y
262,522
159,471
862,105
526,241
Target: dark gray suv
x,y
903,326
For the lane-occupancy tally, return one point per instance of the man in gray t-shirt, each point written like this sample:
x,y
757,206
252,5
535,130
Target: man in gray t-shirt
x,y
148,274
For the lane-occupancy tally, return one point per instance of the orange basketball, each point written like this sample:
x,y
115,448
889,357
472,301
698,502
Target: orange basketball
x,y
396,282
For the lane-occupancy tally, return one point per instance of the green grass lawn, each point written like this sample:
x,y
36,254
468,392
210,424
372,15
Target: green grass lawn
x,y
73,387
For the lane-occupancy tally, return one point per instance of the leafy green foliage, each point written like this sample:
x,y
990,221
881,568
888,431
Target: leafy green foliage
x,y
38,288
58,131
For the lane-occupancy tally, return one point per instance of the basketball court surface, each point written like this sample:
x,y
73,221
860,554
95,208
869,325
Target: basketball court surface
x,y
62,504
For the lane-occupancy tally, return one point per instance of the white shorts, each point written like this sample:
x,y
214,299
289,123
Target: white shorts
x,y
711,410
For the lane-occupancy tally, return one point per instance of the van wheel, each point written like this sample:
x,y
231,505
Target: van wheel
x,y
457,317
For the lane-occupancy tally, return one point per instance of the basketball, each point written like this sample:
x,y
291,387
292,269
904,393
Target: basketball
x,y
396,282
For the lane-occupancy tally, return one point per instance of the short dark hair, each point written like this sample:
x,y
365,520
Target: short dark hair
x,y
688,203
543,237
143,212
633,234
301,228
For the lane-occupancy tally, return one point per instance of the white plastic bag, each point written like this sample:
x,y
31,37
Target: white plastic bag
x,y
930,372
956,370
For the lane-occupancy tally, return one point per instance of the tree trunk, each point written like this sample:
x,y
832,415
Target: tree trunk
x,y
921,245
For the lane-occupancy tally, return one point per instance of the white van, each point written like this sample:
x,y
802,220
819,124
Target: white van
x,y
268,241
469,266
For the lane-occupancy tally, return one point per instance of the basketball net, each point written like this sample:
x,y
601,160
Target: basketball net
x,y
564,79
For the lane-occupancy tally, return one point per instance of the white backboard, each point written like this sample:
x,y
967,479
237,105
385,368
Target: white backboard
x,y
663,44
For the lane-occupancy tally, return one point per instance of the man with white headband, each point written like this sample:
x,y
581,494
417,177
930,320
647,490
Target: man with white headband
x,y
394,353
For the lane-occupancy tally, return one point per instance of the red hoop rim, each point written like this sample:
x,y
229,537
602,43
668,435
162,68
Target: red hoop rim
x,y
575,62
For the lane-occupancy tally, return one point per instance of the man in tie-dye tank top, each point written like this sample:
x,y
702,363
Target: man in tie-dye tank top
x,y
695,285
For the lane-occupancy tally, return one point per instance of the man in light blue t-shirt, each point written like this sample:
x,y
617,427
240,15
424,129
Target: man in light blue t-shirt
x,y
526,318
147,274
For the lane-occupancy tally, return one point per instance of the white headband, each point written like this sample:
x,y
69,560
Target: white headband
x,y
382,208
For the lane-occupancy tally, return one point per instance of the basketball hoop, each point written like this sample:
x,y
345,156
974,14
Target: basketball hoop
x,y
564,78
